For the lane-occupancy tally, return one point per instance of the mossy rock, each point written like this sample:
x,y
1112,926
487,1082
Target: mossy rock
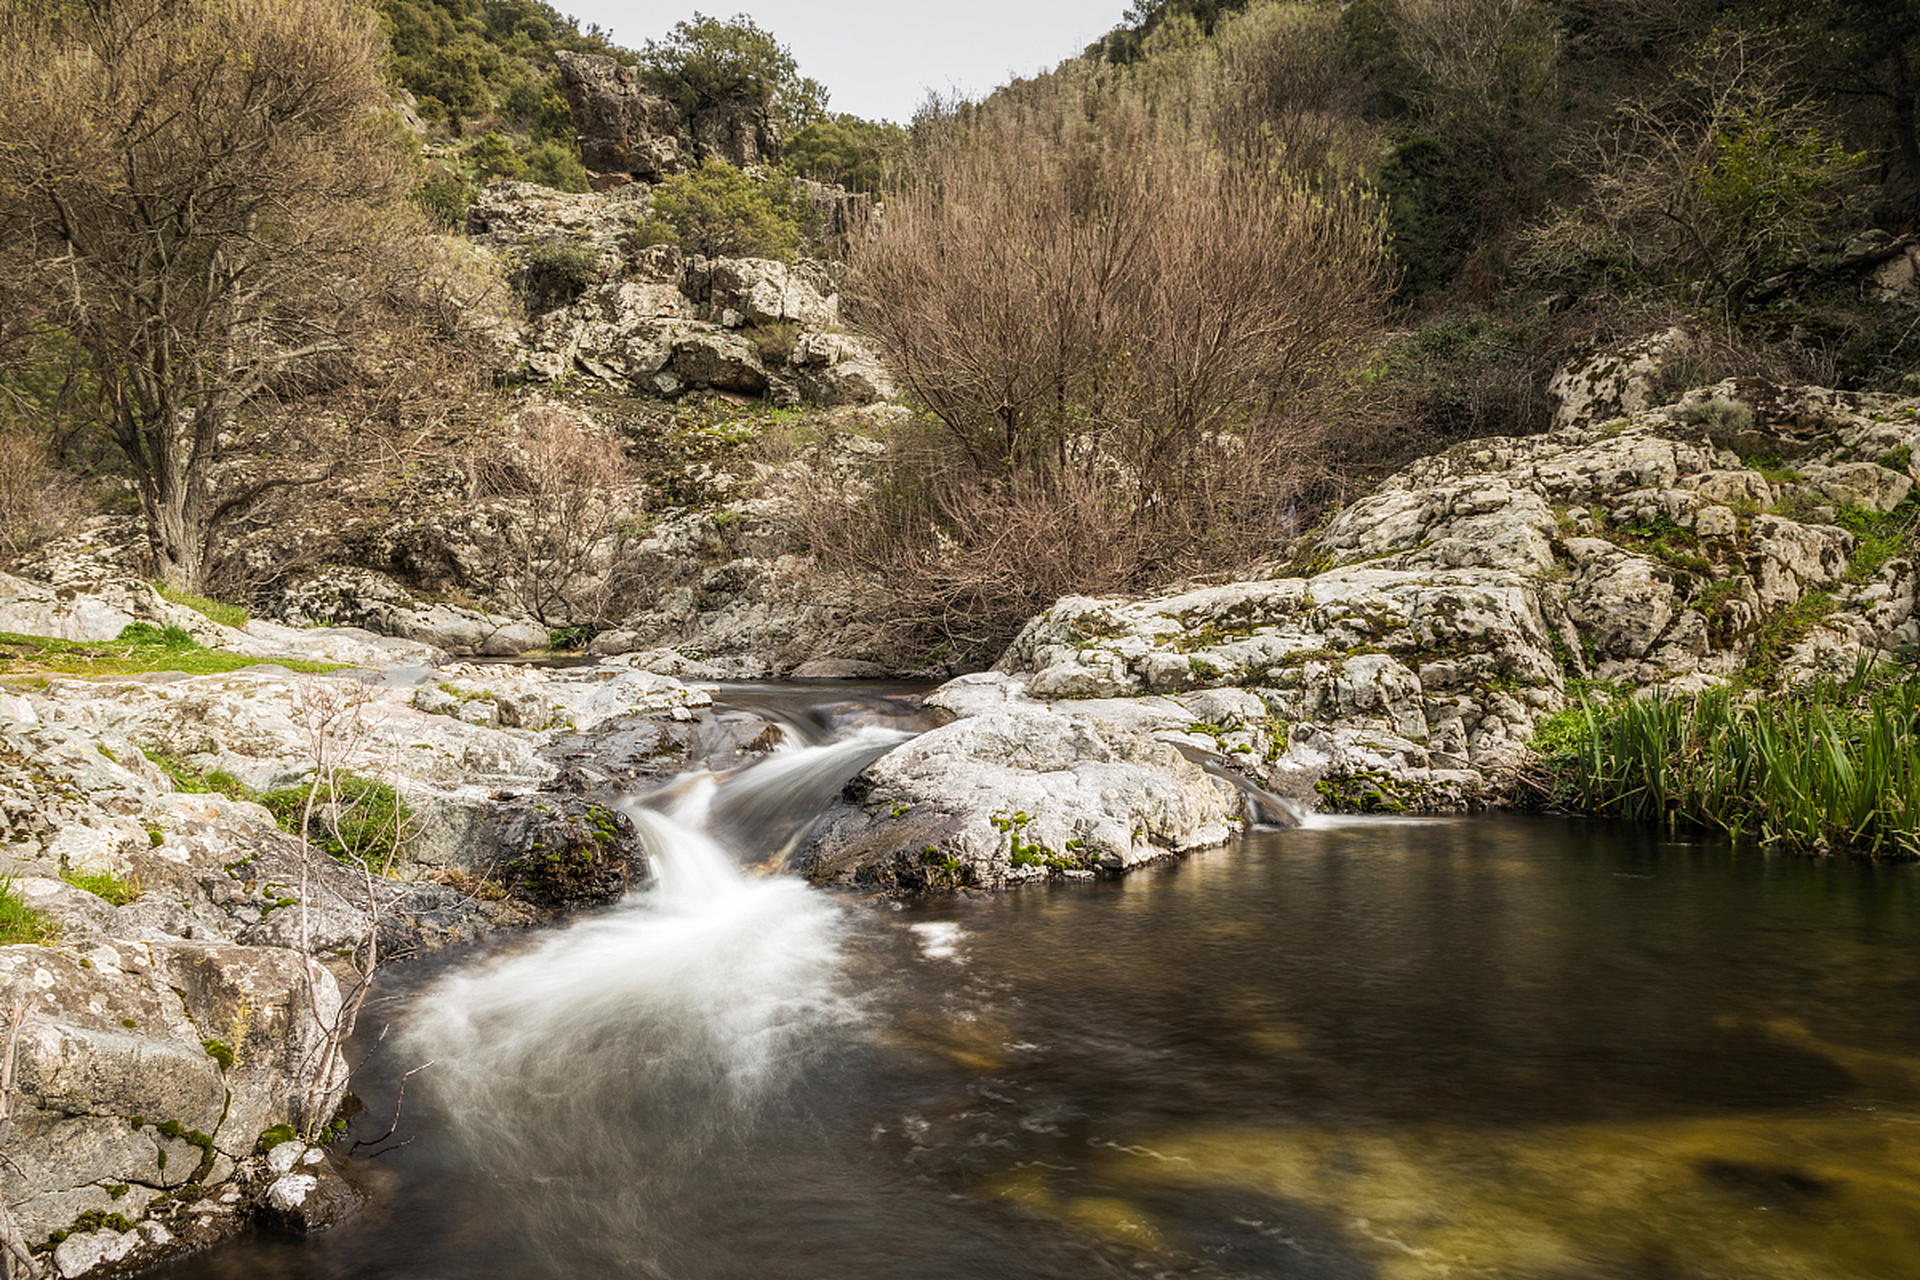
x,y
571,850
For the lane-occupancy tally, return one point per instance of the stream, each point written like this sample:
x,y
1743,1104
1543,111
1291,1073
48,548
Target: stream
x,y
1512,1047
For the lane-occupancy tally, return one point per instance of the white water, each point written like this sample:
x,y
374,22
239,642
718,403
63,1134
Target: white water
x,y
629,1046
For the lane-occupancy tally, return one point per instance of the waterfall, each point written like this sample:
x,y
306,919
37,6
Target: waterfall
x,y
620,1049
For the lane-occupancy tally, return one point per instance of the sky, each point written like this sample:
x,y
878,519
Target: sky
x,y
880,58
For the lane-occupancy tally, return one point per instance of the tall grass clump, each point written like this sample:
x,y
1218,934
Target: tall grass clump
x,y
1834,768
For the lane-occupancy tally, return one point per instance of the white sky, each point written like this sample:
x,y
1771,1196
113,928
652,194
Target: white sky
x,y
879,58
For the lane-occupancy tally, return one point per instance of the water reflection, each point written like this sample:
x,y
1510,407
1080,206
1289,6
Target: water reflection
x,y
1533,1050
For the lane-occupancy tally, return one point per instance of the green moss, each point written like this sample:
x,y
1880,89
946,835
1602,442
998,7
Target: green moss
x,y
219,1052
275,1136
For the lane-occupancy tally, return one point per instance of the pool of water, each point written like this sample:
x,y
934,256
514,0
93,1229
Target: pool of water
x,y
1503,1047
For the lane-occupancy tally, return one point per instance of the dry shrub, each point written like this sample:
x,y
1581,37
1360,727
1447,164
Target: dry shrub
x,y
37,500
563,501
1115,332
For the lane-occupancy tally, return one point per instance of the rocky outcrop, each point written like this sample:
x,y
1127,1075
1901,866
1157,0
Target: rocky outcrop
x,y
177,1028
1015,790
648,320
628,132
1407,664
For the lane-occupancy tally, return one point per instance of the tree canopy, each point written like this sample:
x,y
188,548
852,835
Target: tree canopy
x,y
201,197
704,62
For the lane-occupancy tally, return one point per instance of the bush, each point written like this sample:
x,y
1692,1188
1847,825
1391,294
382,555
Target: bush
x,y
556,273
720,212
1120,338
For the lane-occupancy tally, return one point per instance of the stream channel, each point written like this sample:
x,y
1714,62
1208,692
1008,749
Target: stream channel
x,y
1506,1047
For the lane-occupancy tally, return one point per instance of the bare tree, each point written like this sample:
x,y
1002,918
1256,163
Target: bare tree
x,y
1719,176
564,502
201,196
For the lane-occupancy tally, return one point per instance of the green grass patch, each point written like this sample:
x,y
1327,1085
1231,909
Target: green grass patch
x,y
360,820
1879,536
104,884
186,777
141,647
20,922
227,615
1834,768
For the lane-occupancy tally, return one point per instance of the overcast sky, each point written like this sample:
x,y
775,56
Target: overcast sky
x,y
878,58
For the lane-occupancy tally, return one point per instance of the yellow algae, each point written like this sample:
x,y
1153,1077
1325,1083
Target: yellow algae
x,y
1762,1197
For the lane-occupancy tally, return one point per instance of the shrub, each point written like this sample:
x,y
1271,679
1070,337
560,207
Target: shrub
x,y
720,212
1119,339
557,273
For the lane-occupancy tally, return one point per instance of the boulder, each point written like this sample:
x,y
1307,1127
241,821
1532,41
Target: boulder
x,y
1613,384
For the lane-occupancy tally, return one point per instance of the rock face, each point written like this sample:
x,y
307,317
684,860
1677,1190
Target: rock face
x,y
628,132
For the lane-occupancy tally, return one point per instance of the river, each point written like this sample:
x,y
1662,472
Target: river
x,y
1520,1048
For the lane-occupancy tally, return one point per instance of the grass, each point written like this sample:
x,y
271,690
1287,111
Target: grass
x,y
141,647
364,821
104,884
19,922
367,822
227,615
1830,769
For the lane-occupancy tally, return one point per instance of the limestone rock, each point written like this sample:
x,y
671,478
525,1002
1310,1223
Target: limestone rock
x,y
1017,794
1613,384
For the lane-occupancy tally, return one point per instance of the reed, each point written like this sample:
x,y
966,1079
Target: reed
x,y
1832,768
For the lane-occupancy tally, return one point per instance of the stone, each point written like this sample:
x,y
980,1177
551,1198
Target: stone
x,y
1612,384
310,1201
625,130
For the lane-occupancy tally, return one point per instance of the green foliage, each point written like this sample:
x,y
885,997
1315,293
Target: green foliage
x,y
20,923
720,212
704,62
846,150
558,272
445,197
1833,768
556,164
479,59
104,884
1879,536
356,819
147,635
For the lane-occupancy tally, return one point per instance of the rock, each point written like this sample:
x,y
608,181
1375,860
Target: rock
x,y
1017,794
626,131
80,1253
717,359
1613,384
564,850
309,1201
